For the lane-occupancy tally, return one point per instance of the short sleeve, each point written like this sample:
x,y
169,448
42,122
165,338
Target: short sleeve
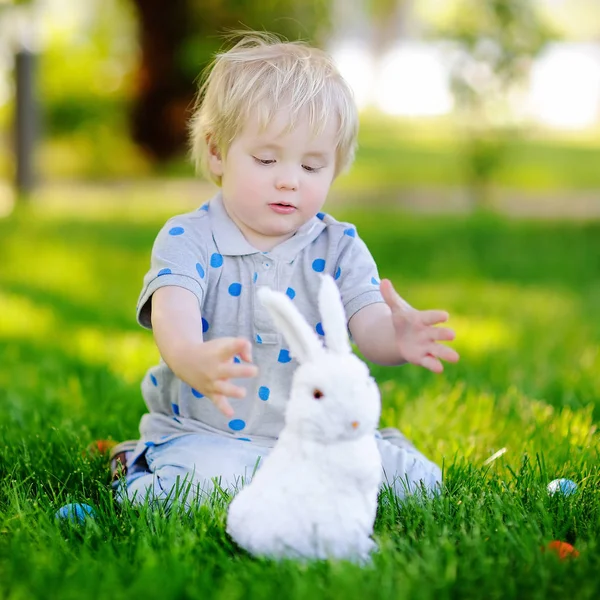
x,y
178,259
356,274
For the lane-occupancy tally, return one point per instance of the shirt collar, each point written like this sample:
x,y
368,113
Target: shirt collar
x,y
230,241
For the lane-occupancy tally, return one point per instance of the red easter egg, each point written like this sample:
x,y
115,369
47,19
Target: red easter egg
x,y
562,549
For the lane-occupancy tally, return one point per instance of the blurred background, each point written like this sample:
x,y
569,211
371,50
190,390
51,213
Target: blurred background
x,y
476,187
465,103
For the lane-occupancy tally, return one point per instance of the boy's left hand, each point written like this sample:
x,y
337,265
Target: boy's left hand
x,y
417,339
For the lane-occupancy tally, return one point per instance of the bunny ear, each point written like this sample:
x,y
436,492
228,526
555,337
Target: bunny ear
x,y
304,343
333,317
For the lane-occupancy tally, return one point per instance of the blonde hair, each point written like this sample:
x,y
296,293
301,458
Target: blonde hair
x,y
260,75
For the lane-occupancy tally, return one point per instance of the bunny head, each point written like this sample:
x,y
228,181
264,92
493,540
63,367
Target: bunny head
x,y
333,396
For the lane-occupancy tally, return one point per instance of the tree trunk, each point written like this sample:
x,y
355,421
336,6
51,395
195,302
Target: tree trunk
x,y
164,94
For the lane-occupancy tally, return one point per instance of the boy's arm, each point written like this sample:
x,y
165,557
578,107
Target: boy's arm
x,y
373,331
394,333
205,366
177,326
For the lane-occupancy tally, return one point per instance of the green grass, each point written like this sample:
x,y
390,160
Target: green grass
x,y
524,300
403,153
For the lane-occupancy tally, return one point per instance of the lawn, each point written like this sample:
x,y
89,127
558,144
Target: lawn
x,y
524,300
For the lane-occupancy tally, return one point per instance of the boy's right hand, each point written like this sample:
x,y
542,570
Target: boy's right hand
x,y
205,366
216,366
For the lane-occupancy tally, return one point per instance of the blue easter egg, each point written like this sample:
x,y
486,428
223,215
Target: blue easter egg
x,y
75,512
565,486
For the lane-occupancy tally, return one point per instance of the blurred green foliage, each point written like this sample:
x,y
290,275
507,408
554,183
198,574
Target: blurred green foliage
x,y
88,79
495,42
393,154
211,21
86,75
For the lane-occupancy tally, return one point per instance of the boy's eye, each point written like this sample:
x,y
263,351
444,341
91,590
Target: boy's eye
x,y
264,161
310,169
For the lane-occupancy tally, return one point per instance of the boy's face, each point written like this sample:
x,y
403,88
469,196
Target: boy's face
x,y
274,181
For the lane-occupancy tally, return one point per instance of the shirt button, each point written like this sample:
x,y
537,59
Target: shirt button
x,y
266,265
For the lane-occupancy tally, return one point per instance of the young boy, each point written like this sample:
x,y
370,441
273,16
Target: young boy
x,y
274,125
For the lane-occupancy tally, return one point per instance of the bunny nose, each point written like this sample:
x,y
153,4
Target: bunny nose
x,y
355,424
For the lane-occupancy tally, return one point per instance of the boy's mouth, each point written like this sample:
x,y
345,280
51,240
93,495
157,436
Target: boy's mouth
x,y
282,208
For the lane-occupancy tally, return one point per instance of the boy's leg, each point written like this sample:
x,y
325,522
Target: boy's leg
x,y
405,469
396,437
189,468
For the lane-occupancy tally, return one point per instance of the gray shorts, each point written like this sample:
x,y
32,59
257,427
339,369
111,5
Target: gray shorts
x,y
195,464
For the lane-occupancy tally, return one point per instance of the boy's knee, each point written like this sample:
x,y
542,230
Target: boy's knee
x,y
408,471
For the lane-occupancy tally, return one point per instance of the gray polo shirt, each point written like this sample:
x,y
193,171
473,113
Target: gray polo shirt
x,y
206,253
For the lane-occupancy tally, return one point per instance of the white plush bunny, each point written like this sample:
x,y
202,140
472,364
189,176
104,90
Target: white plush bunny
x,y
315,496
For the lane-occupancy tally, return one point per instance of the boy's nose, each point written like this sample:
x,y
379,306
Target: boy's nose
x,y
287,181
287,184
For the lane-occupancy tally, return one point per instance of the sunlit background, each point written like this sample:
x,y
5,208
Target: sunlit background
x,y
476,187
504,94
409,78
412,77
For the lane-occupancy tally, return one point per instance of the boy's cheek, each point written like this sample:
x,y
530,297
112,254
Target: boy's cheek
x,y
251,181
247,184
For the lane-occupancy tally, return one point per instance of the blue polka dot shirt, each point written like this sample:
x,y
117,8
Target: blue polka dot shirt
x,y
205,253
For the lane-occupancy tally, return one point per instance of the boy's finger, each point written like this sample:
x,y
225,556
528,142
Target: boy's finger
x,y
445,353
432,317
391,296
230,390
235,371
232,346
246,351
222,404
442,334
432,363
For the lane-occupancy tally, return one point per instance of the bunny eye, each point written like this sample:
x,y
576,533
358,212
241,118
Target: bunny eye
x,y
317,394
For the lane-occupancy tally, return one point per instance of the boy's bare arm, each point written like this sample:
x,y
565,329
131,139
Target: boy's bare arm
x,y
393,333
205,366
373,331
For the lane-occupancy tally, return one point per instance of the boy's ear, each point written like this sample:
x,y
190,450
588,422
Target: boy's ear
x,y
215,161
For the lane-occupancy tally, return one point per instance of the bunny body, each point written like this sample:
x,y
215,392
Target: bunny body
x,y
315,496
292,509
